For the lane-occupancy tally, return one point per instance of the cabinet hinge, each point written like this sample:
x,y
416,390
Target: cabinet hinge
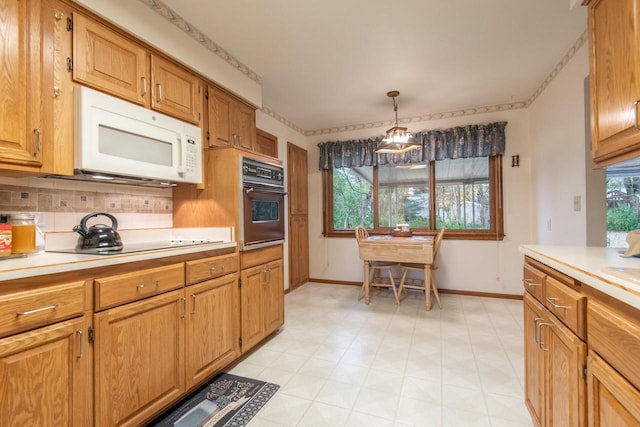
x,y
240,341
69,24
584,372
91,335
69,64
240,283
208,136
206,95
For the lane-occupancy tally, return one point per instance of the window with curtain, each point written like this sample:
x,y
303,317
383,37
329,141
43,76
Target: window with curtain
x,y
453,181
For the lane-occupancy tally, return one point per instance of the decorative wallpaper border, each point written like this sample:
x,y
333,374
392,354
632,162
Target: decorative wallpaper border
x,y
197,35
171,16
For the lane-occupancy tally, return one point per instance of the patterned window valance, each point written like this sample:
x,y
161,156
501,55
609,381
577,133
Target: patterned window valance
x,y
482,140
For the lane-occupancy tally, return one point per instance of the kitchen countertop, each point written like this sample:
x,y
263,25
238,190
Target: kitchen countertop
x,y
50,263
599,267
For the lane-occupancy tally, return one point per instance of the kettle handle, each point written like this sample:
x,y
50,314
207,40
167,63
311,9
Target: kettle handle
x,y
82,227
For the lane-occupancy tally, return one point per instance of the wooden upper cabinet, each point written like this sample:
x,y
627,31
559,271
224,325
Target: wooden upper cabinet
x,y
108,61
266,143
36,100
219,110
243,125
614,37
21,127
175,91
231,122
113,63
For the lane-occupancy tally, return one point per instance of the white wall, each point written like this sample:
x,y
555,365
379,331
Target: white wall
x,y
557,139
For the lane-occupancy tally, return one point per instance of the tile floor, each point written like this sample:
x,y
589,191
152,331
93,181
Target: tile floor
x,y
340,362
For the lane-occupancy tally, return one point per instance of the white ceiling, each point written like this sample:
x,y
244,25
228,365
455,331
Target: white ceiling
x,y
330,63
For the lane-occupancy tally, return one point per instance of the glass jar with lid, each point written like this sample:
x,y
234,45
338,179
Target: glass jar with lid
x,y
23,233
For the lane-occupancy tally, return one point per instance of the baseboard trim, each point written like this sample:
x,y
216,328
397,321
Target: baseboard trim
x,y
442,291
335,282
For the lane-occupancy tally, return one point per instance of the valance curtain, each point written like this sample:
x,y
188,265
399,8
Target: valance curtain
x,y
481,140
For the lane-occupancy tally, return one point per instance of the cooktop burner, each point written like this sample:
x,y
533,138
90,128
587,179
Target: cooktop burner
x,y
136,247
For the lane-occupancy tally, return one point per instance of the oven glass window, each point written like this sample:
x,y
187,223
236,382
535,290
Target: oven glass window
x,y
264,210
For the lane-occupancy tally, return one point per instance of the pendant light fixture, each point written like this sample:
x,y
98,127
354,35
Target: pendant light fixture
x,y
398,140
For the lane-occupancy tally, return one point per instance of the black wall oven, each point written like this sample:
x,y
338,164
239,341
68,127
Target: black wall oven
x,y
262,209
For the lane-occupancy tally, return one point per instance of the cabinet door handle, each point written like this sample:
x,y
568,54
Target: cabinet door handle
x,y
159,97
80,338
552,301
144,85
37,310
193,304
184,307
635,119
536,331
540,325
36,133
145,285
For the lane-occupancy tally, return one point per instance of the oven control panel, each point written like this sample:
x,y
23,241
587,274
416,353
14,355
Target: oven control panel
x,y
256,172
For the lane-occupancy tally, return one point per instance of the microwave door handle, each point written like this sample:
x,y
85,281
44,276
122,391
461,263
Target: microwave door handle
x,y
183,154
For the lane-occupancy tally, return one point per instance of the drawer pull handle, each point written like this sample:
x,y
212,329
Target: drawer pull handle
x,y
215,268
552,301
37,310
144,285
80,335
528,282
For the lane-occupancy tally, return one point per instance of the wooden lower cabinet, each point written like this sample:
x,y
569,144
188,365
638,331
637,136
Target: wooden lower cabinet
x,y
261,302
213,327
534,360
274,297
43,376
555,358
149,353
139,359
612,401
565,367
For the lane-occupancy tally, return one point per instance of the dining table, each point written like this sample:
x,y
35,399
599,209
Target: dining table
x,y
388,248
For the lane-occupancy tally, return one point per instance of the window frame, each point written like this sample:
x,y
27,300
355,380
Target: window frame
x,y
495,232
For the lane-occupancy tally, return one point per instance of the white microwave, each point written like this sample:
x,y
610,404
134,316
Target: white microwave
x,y
117,139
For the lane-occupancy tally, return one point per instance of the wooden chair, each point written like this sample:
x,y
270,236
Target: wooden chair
x,y
375,270
432,286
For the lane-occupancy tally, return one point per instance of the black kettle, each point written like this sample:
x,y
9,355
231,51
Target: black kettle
x,y
99,237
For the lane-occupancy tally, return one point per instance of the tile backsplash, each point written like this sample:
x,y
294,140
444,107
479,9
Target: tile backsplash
x,y
60,204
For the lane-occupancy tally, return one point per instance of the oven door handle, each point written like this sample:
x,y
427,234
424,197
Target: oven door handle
x,y
266,190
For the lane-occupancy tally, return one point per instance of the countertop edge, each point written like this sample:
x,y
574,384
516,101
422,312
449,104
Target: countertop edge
x,y
60,263
588,268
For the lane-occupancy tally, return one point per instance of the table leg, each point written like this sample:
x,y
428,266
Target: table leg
x,y
427,286
367,297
